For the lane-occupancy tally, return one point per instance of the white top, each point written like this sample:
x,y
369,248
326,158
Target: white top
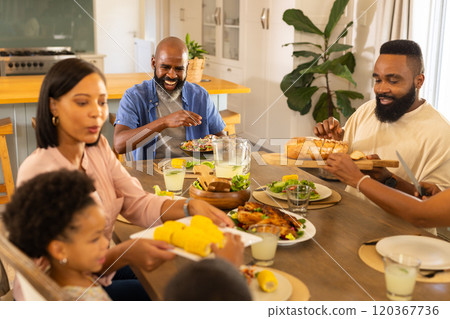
x,y
422,137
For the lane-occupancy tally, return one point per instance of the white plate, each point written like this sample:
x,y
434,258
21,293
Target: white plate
x,y
246,238
433,253
282,293
309,230
324,192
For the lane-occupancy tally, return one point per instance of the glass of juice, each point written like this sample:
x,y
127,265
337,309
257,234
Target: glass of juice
x,y
174,178
231,156
263,252
400,272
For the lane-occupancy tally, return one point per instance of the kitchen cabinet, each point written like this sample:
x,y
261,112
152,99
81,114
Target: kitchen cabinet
x,y
221,30
95,59
184,18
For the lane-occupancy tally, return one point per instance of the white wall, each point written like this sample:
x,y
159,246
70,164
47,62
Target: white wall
x,y
117,23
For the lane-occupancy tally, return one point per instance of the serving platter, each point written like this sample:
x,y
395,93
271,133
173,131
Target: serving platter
x,y
278,159
246,238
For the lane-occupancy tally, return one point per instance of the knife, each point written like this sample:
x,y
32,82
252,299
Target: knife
x,y
410,174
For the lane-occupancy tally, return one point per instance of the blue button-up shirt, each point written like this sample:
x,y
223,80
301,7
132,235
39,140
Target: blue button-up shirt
x,y
138,108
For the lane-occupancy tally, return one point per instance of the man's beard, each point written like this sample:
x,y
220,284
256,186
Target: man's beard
x,y
397,108
167,96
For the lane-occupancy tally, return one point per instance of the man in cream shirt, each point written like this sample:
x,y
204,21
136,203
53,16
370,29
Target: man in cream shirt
x,y
398,120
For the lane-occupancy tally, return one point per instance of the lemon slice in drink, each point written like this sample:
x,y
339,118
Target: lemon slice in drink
x,y
178,162
267,280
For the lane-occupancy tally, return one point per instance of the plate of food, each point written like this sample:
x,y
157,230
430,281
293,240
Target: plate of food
x,y
277,190
433,253
294,228
192,236
266,285
201,145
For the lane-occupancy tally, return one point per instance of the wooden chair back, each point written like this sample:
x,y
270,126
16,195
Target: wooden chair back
x,y
29,275
7,187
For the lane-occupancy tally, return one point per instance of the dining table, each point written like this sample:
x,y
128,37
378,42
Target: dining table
x,y
328,264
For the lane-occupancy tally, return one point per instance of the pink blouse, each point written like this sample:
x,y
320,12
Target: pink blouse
x,y
119,193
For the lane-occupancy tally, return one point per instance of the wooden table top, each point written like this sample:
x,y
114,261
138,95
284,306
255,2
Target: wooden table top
x,y
328,264
25,89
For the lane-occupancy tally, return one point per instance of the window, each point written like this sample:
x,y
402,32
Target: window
x,y
430,22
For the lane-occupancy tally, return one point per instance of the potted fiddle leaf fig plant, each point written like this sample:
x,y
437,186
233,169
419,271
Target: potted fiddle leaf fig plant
x,y
329,59
196,60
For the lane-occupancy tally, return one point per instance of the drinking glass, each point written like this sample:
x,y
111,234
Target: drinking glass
x,y
231,156
400,272
174,178
263,252
298,198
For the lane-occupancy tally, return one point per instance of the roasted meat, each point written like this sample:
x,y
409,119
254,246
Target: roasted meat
x,y
254,213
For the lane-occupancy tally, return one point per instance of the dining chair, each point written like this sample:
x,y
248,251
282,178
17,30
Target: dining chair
x,y
4,283
35,284
7,187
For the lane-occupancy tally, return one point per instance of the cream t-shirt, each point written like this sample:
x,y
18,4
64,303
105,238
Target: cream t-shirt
x,y
422,137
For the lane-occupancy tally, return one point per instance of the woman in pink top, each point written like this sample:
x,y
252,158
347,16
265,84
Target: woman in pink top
x,y
71,111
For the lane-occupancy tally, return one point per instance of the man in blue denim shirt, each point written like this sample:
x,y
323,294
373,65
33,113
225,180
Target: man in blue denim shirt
x,y
154,117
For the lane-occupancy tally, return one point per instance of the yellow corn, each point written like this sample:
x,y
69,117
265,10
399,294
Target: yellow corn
x,y
267,280
163,233
198,245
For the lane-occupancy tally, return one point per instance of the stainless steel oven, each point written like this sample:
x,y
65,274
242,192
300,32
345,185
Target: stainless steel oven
x,y
30,61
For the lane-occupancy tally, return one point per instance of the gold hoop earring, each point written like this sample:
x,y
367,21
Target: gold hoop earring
x,y
55,120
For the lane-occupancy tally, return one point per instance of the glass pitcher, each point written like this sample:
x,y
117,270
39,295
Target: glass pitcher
x,y
232,156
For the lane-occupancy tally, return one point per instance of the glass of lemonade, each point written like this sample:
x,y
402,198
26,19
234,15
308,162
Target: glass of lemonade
x,y
174,178
231,156
400,272
263,252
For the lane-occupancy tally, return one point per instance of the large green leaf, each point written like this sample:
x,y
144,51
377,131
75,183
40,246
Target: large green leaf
x,y
337,47
344,104
306,54
351,94
320,112
323,68
297,78
343,72
335,14
299,99
347,59
305,110
303,43
300,22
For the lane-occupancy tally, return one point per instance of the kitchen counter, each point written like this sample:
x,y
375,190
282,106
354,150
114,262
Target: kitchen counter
x,y
25,89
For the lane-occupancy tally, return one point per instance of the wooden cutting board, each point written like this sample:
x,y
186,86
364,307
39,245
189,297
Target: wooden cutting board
x,y
278,159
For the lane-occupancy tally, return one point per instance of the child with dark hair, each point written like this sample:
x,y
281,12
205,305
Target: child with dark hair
x,y
54,215
208,280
